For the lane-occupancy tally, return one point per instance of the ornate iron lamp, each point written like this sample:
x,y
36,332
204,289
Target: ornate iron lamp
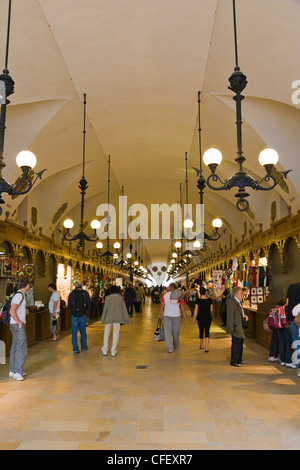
x,y
26,160
83,185
216,223
267,158
108,255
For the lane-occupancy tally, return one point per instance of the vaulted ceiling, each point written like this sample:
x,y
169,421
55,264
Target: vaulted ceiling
x,y
141,65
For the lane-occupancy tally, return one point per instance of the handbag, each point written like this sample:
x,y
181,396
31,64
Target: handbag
x,y
159,334
266,325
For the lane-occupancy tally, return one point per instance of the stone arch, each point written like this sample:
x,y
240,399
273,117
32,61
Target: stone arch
x,y
277,276
291,260
51,271
7,248
27,255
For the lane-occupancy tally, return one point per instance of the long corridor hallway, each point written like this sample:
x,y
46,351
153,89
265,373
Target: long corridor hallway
x,y
145,398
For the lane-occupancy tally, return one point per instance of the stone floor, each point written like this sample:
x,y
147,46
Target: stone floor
x,y
145,398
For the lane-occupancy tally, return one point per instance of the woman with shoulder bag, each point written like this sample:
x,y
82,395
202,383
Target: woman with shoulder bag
x,y
114,314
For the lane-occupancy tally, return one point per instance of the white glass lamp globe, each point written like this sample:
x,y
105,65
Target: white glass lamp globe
x,y
95,224
26,158
174,255
115,256
172,261
188,223
178,245
217,223
197,244
212,157
268,156
68,223
117,245
129,255
99,245
136,263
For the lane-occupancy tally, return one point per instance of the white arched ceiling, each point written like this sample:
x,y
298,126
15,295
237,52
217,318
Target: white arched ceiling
x,y
141,64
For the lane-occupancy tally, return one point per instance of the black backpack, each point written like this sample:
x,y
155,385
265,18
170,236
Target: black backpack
x,y
79,303
4,313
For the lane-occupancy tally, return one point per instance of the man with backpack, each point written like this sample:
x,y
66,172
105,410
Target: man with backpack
x,y
79,304
18,352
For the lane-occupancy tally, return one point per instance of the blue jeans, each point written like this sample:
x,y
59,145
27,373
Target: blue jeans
x,y
296,344
18,352
129,305
79,323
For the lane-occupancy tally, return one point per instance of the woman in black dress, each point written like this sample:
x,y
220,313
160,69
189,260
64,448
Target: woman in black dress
x,y
203,315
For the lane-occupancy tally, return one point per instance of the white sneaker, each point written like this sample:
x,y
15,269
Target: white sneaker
x,y
298,372
282,363
11,375
273,359
18,376
291,365
113,354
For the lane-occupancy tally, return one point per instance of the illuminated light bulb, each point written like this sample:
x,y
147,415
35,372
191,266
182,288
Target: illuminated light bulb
x,y
217,223
268,156
99,245
188,223
117,245
68,223
95,224
26,158
212,157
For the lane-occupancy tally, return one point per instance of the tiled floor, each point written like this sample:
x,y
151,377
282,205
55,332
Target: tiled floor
x,y
185,400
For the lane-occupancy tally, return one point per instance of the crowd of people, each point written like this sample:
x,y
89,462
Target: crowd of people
x,y
115,306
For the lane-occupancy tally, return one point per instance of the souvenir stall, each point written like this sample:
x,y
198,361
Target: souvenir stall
x,y
258,283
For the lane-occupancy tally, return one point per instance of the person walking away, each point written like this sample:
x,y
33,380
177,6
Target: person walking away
x,y
19,349
114,314
192,297
235,315
172,318
225,298
79,304
139,298
203,315
95,302
130,296
54,310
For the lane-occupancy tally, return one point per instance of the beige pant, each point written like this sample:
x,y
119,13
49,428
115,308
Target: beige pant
x,y
116,331
172,330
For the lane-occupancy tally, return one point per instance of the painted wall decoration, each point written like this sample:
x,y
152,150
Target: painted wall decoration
x,y
59,212
34,216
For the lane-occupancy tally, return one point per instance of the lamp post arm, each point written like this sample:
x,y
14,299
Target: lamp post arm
x,y
24,179
267,179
